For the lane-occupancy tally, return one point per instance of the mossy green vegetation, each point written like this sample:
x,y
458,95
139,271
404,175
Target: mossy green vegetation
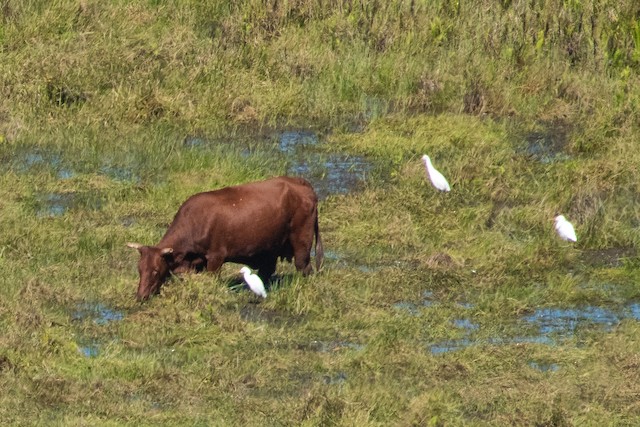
x,y
433,309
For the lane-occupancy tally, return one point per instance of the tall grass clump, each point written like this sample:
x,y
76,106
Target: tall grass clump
x,y
255,63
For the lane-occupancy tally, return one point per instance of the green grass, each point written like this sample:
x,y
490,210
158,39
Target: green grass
x,y
99,105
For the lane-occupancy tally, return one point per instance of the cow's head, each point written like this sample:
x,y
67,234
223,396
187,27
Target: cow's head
x,y
154,268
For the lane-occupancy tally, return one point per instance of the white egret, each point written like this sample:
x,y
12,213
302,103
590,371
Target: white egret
x,y
565,229
254,282
437,179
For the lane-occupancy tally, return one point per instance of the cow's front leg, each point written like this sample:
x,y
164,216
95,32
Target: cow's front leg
x,y
214,262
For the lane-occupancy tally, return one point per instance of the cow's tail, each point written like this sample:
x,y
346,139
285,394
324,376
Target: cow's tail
x,y
319,249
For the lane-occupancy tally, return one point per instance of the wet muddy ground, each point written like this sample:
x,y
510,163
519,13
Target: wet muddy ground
x,y
548,326
548,143
305,154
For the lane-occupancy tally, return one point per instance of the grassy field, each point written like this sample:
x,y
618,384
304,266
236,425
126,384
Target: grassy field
x,y
432,309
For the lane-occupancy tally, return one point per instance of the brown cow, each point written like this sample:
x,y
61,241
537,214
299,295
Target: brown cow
x,y
252,224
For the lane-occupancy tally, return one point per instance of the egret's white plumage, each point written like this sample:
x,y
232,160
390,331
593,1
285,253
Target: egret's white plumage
x,y
565,229
437,179
254,282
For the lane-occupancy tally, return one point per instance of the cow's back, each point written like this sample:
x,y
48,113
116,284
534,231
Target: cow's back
x,y
250,217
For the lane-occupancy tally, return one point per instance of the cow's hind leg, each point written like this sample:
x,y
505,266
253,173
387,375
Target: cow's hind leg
x,y
301,240
302,255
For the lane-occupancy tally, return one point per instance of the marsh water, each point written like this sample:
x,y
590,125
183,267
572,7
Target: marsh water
x,y
304,153
547,144
99,314
331,172
548,326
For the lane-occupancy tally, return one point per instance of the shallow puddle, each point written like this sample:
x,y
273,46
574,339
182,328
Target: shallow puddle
x,y
407,307
54,204
305,155
465,324
57,204
65,173
548,145
565,322
339,260
544,366
332,255
634,311
294,140
28,160
35,159
551,325
447,346
120,173
89,350
99,313
427,299
450,345
329,173
257,314
337,379
548,326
